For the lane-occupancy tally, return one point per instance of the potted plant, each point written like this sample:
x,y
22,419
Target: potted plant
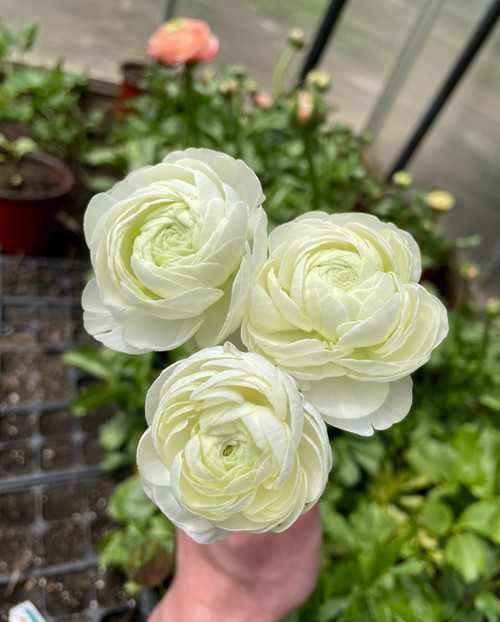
x,y
133,84
32,186
43,112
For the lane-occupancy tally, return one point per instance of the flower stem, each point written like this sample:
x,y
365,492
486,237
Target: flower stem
x,y
191,134
308,152
279,72
484,344
234,127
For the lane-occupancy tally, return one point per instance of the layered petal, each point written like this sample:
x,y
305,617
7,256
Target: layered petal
x,y
231,446
337,305
174,248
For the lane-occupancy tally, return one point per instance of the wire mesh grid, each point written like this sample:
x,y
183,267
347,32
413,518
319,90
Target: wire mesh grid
x,y
52,492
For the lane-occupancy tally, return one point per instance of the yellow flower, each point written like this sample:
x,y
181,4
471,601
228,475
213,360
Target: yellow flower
x,y
440,200
402,178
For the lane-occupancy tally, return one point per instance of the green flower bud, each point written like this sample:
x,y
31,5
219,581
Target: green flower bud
x,y
296,38
319,79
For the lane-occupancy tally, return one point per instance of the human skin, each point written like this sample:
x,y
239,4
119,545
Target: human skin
x,y
245,577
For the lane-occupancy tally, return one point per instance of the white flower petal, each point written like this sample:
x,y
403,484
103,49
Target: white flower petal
x,y
392,410
99,322
345,398
174,248
97,208
338,307
232,445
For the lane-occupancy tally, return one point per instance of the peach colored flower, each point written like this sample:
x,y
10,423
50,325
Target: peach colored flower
x,y
183,40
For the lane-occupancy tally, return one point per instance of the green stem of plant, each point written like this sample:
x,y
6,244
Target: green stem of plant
x,y
308,152
234,126
484,344
279,72
464,298
190,105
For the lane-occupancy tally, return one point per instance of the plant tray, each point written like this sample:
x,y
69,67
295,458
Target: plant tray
x,y
53,495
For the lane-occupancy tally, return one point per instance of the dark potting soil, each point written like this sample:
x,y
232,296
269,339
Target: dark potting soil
x,y
26,178
53,497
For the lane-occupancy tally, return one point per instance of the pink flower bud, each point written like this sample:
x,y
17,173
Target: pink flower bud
x,y
263,100
305,107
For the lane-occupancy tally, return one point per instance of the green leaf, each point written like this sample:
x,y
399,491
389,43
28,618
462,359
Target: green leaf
x,y
93,397
368,452
344,577
24,145
478,450
28,35
114,433
332,607
470,241
129,502
337,528
114,547
131,588
468,554
100,155
160,528
373,564
489,605
483,517
437,516
371,525
99,183
410,567
113,461
491,401
403,611
89,360
436,460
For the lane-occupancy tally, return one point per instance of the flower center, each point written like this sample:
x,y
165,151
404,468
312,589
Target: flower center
x,y
167,234
340,269
228,450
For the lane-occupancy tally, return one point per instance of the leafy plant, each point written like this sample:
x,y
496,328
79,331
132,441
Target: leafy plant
x,y
11,152
125,380
48,101
142,544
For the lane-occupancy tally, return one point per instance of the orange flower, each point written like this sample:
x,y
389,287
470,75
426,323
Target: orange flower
x,y
183,40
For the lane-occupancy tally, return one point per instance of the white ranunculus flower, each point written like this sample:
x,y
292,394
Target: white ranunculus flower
x,y
337,305
231,445
174,247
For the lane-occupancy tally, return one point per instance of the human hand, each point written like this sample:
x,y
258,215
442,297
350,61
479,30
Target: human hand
x,y
244,578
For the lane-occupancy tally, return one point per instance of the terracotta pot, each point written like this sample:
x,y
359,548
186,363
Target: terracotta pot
x,y
28,218
133,84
